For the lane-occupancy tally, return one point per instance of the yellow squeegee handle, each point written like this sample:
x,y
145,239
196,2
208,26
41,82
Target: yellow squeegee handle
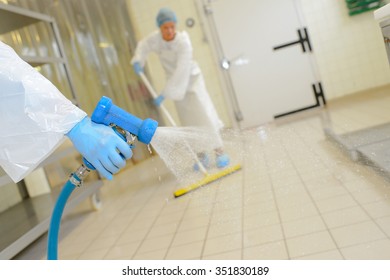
x,y
170,119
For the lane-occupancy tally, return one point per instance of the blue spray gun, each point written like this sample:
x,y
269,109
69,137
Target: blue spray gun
x,y
129,128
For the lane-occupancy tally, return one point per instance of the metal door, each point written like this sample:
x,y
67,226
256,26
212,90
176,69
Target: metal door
x,y
266,55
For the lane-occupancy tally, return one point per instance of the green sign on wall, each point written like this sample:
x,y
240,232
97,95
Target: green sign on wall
x,y
360,6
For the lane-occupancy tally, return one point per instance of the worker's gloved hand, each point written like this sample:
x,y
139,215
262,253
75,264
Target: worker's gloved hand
x,y
159,100
138,68
100,145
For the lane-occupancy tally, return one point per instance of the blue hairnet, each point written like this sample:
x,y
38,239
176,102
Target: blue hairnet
x,y
165,15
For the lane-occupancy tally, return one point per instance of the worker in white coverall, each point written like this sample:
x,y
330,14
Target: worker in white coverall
x,y
185,84
35,117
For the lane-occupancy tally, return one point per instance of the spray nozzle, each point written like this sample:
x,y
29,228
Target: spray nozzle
x,y
127,126
109,114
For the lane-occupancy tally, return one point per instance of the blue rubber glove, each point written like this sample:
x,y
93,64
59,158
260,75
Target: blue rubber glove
x,y
159,100
100,145
138,68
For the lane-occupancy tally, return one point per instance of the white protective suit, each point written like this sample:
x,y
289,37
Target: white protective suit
x,y
185,84
34,115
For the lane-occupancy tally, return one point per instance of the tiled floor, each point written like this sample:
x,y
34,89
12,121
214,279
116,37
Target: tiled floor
x,y
297,197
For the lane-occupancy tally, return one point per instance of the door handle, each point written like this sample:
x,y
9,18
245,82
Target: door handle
x,y
303,38
225,63
237,61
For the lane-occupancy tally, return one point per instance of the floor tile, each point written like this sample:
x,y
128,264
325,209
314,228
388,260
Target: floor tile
x,y
375,250
263,235
94,254
222,244
189,236
154,255
260,220
357,234
378,209
298,212
329,255
303,226
336,203
232,255
345,217
189,251
155,244
384,224
125,251
310,244
225,228
270,251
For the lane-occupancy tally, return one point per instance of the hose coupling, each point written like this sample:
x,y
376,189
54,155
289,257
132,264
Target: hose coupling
x,y
78,176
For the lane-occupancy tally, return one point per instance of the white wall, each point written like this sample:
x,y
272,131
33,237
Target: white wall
x,y
349,50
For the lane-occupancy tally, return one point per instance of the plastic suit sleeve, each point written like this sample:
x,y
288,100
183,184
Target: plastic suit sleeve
x,y
34,115
143,49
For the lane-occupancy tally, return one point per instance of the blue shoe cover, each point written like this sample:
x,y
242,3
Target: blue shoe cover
x,y
204,160
222,161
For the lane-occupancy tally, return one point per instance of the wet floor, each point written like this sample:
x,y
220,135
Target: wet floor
x,y
298,196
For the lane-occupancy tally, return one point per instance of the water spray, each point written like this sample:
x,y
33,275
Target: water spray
x,y
208,178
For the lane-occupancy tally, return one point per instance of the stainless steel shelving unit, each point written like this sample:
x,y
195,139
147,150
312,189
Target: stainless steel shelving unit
x,y
13,18
24,222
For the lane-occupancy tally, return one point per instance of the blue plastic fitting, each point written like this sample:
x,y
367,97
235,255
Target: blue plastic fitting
x,y
107,113
88,164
